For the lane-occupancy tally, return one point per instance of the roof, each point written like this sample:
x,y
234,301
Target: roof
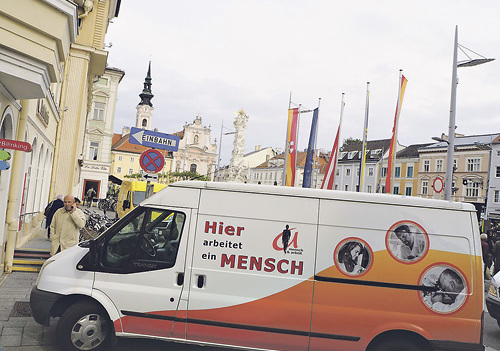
x,y
382,144
469,140
411,151
301,160
191,198
121,143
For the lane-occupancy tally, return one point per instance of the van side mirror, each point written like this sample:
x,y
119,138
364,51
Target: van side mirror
x,y
126,204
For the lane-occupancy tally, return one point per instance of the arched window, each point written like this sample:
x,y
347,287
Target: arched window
x,y
192,168
144,122
196,139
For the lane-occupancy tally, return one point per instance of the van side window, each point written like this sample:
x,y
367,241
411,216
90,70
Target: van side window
x,y
147,241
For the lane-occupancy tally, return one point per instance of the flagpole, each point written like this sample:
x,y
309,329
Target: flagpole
x,y
283,181
314,149
392,157
296,144
362,156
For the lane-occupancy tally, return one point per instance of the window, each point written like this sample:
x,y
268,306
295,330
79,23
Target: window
x,y
395,190
337,172
497,172
408,190
473,164
409,172
130,171
93,150
144,123
346,187
425,187
498,152
383,189
347,172
132,159
120,158
99,110
370,171
439,165
192,168
151,236
384,171
427,165
472,189
397,172
196,138
368,188
102,81
336,187
351,154
119,170
496,196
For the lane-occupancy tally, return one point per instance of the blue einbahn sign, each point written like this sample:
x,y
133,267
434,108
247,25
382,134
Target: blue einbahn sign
x,y
153,139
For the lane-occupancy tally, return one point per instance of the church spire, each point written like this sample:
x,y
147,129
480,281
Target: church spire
x,y
146,94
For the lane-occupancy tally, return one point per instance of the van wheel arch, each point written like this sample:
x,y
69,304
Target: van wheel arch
x,y
62,304
403,340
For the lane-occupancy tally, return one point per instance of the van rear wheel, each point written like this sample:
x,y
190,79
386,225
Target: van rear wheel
x,y
397,345
84,327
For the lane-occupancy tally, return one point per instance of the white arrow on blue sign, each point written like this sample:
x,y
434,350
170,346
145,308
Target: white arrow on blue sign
x,y
153,139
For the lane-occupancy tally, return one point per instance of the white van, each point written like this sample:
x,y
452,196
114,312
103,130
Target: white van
x,y
273,268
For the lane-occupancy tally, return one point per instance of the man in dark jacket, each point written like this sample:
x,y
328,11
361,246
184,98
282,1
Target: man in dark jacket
x,y
51,208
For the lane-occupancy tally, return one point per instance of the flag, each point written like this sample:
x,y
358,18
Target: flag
x,y
392,149
308,167
332,163
362,158
291,146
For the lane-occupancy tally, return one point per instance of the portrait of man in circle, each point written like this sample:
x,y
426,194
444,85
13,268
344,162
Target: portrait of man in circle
x,y
407,242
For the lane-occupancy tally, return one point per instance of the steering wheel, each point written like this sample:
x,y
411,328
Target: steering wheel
x,y
148,246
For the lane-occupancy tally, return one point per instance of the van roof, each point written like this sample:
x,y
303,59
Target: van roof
x,y
162,196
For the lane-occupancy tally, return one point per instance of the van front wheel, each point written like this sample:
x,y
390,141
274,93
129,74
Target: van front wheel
x,y
84,327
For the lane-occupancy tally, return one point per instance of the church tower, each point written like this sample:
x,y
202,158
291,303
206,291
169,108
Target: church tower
x,y
145,107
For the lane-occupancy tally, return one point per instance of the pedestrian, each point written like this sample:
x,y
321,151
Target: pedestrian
x,y
66,225
486,254
90,196
496,257
49,211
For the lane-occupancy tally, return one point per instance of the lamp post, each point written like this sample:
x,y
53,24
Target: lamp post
x,y
220,149
453,104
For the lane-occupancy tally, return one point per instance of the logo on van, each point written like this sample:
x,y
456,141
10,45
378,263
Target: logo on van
x,y
287,242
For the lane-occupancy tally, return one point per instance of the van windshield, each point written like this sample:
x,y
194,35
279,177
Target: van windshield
x,y
138,197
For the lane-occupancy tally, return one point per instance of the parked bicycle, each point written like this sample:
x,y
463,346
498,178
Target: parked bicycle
x,y
96,224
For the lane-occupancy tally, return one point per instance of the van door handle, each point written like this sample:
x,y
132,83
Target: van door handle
x,y
180,279
201,281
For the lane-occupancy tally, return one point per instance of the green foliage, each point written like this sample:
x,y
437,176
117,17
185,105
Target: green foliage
x,y
349,141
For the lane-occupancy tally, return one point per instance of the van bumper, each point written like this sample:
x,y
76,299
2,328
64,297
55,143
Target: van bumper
x,y
41,303
440,345
493,307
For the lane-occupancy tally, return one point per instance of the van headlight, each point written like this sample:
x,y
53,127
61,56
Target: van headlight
x,y
493,290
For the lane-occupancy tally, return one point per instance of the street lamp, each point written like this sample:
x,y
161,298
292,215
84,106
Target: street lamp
x,y
220,149
453,104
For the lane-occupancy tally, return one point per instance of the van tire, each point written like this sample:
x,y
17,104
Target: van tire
x,y
84,326
397,345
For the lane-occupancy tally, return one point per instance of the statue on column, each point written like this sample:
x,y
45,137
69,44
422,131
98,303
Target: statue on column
x,y
236,169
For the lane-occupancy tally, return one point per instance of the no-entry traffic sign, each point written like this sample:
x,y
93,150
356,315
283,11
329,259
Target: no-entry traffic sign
x,y
152,161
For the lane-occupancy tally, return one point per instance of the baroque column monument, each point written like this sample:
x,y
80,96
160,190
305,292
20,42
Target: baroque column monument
x,y
236,170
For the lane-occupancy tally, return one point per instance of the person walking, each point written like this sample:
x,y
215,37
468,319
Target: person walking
x,y
90,196
66,225
50,209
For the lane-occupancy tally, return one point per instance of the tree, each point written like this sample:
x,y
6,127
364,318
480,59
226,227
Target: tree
x,y
349,141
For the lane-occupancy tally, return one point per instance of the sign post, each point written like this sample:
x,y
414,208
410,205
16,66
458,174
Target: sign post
x,y
151,161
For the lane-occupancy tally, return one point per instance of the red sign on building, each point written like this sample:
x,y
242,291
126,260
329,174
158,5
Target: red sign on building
x,y
15,145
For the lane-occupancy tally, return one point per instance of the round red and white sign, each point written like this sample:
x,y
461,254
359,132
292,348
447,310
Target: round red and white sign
x,y
438,185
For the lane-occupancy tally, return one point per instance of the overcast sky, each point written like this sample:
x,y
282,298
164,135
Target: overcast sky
x,y
215,57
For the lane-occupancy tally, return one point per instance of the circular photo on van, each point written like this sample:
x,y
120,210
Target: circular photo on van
x,y
353,257
407,242
445,288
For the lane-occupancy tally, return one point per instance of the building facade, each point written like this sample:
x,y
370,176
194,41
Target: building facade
x,y
493,196
33,53
96,156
